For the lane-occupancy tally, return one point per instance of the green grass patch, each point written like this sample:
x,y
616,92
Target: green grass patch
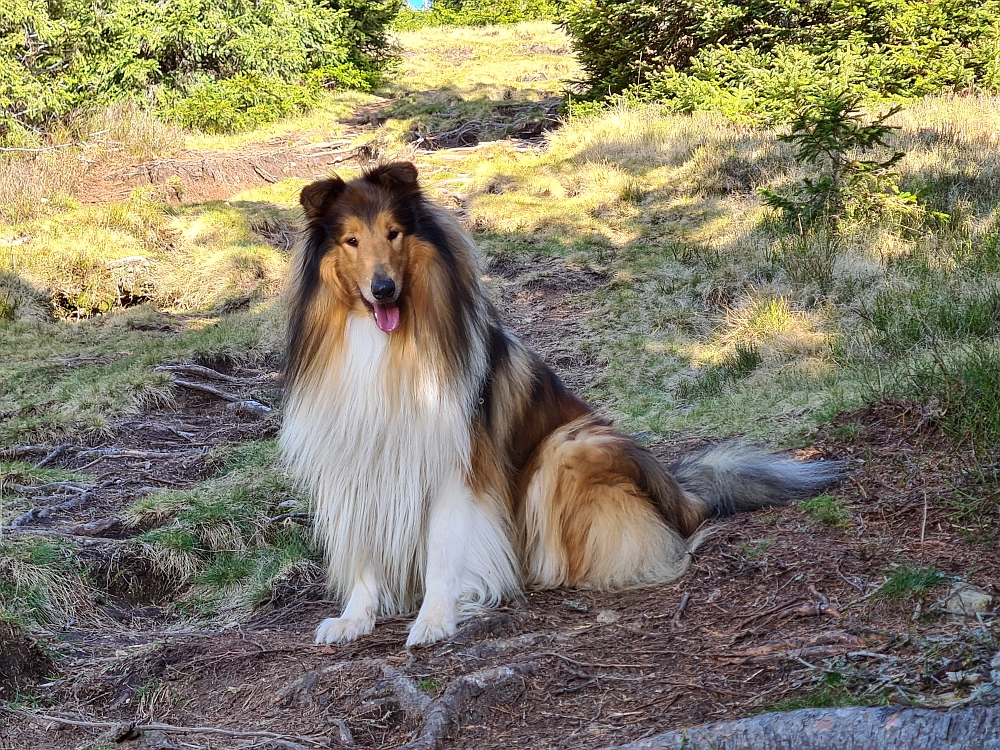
x,y
905,318
59,380
734,367
827,510
430,684
832,692
41,583
966,383
974,507
905,581
219,540
19,472
756,550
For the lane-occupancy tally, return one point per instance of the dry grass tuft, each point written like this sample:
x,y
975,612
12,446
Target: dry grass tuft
x,y
39,583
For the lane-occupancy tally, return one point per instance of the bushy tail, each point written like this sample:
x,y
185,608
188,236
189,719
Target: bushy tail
x,y
733,477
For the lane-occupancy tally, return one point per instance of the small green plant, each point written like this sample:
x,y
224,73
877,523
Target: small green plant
x,y
756,550
8,306
966,384
906,581
975,507
830,135
808,258
430,684
827,510
831,693
40,583
242,102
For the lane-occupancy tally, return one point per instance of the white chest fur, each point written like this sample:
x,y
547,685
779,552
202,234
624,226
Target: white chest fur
x,y
373,447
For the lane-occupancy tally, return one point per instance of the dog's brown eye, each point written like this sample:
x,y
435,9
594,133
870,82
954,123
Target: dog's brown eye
x,y
393,234
352,241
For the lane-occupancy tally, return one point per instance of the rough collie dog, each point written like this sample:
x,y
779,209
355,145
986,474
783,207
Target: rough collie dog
x,y
449,466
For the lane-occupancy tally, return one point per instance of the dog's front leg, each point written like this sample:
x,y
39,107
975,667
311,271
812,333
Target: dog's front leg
x,y
470,562
446,559
358,618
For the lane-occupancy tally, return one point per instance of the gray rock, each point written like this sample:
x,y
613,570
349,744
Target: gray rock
x,y
965,599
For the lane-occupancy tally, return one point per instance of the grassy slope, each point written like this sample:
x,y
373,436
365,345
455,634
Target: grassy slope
x,y
716,321
719,320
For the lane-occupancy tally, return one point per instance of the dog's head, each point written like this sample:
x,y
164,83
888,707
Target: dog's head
x,y
361,232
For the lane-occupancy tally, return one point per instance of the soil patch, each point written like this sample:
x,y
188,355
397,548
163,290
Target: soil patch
x,y
22,663
545,303
198,176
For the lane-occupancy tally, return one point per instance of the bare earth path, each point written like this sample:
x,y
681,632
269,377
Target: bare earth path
x,y
781,608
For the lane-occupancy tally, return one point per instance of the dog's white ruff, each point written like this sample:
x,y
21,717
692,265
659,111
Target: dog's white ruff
x,y
385,456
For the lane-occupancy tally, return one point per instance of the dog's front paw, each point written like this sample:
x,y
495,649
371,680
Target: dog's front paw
x,y
342,630
430,629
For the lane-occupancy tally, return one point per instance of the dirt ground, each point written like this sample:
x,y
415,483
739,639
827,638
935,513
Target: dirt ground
x,y
777,607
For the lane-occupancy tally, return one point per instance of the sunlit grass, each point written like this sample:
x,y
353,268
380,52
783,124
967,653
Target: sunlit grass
x,y
325,121
667,205
525,60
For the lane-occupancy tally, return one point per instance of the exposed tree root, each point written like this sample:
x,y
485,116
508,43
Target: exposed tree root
x,y
120,731
439,715
977,727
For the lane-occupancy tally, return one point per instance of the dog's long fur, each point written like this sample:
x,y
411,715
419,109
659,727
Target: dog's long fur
x,y
448,464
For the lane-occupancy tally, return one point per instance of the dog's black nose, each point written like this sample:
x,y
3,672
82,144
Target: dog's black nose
x,y
383,289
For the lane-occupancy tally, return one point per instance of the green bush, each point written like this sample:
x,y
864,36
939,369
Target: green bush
x,y
242,102
477,13
58,56
757,60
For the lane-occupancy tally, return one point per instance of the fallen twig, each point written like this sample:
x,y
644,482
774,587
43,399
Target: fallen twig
x,y
205,372
847,580
818,646
218,393
52,456
68,486
250,405
771,611
131,453
23,451
263,174
45,720
680,611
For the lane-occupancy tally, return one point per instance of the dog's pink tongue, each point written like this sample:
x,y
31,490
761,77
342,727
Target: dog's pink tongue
x,y
387,317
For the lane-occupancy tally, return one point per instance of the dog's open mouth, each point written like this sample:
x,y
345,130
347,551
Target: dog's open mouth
x,y
386,314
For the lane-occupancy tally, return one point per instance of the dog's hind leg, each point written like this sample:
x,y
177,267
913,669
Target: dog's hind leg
x,y
470,562
588,520
358,618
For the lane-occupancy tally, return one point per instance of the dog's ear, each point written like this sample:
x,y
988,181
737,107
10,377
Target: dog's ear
x,y
399,176
317,197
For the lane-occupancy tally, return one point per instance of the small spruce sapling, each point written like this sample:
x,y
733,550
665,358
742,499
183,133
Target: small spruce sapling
x,y
832,135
